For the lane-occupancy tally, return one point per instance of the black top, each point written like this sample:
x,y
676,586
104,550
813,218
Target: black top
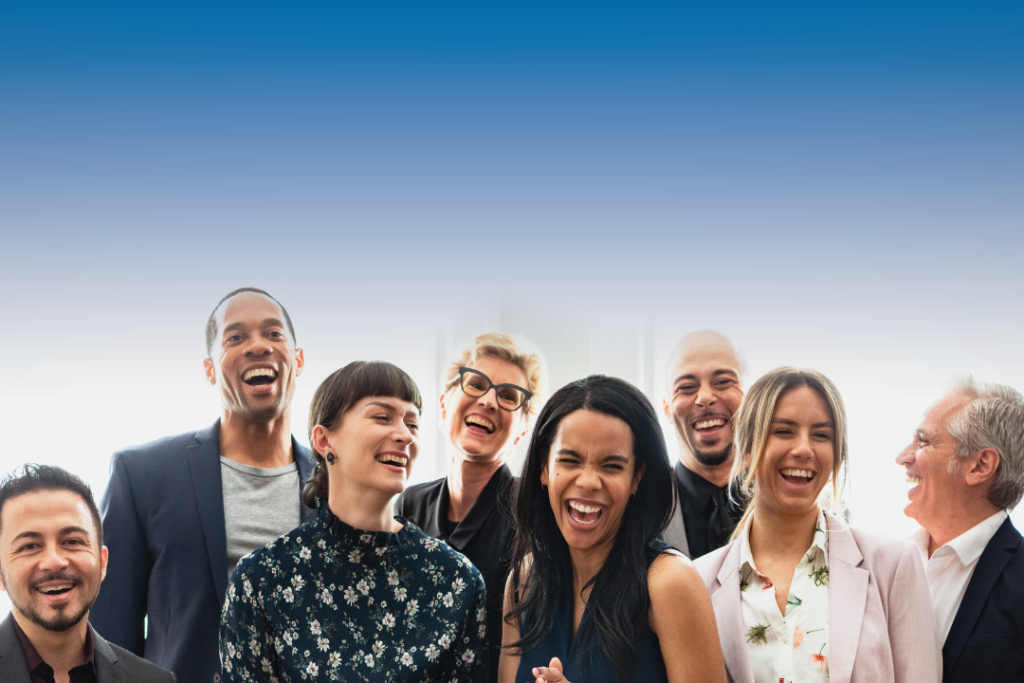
x,y
708,515
484,535
559,642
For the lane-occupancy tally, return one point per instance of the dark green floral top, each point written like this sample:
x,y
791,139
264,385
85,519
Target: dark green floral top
x,y
326,602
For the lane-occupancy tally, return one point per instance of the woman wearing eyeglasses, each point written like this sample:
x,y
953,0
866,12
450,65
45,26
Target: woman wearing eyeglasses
x,y
492,391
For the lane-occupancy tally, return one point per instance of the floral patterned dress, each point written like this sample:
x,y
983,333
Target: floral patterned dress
x,y
327,602
790,647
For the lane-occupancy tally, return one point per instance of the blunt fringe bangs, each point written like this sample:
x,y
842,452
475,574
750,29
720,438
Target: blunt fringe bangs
x,y
338,393
541,566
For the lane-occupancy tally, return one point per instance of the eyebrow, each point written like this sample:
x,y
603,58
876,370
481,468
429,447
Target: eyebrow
x,y
608,458
63,532
816,425
267,322
716,373
391,408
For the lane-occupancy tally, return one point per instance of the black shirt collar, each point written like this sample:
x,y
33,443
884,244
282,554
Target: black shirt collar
x,y
695,486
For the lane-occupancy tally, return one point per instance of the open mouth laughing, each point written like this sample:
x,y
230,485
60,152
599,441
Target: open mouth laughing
x,y
914,480
481,422
584,514
393,460
259,376
797,476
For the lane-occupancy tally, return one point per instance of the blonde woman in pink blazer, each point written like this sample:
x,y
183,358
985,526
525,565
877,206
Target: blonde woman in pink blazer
x,y
799,597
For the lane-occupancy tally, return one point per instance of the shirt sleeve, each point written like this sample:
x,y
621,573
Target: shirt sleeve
x,y
468,660
120,610
247,653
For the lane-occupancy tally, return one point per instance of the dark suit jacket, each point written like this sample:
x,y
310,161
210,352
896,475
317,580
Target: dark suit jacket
x,y
163,521
113,664
986,640
484,536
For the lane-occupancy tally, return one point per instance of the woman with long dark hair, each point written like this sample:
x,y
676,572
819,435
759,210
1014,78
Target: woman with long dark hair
x,y
594,595
356,594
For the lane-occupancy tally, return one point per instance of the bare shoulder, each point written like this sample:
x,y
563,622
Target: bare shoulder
x,y
671,576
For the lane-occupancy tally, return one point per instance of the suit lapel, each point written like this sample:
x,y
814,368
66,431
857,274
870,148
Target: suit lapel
x,y
107,670
990,565
847,596
203,459
12,658
729,613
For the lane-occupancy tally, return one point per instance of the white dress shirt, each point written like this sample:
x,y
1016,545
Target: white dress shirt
x,y
790,647
951,567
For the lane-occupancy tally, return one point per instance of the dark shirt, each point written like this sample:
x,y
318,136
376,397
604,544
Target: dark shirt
x,y
484,535
705,530
41,672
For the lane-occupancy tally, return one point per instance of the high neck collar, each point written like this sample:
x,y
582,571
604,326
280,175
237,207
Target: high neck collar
x,y
358,537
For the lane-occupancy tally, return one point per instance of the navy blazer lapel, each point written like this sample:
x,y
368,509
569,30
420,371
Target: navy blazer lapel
x,y
990,565
304,461
107,670
203,459
12,658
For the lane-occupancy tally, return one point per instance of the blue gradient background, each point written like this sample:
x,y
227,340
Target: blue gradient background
x,y
834,185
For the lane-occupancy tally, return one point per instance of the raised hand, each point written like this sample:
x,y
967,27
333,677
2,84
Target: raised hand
x,y
552,673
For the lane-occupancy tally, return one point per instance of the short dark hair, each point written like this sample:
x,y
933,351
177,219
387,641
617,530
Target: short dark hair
x,y
211,322
34,478
619,601
338,393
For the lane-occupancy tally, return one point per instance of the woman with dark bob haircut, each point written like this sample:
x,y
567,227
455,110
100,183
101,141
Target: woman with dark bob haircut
x,y
356,594
594,595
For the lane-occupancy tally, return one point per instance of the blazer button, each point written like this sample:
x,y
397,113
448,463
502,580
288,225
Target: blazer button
x,y
216,678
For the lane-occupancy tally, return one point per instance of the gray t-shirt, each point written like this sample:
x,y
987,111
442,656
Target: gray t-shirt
x,y
260,504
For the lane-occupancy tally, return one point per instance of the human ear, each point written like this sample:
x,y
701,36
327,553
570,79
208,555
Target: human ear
x,y
211,370
637,476
665,409
443,415
320,439
103,563
544,477
300,361
984,465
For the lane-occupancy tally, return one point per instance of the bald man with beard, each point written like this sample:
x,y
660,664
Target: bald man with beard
x,y
704,389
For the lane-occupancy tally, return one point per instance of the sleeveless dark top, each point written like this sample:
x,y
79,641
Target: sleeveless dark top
x,y
559,643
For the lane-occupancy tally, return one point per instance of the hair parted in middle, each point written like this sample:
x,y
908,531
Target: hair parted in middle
x,y
619,601
338,393
753,424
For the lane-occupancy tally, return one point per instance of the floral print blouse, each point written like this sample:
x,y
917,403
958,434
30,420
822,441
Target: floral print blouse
x,y
790,647
327,602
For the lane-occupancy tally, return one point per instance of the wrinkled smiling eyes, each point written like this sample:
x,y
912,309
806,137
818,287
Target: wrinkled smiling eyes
x,y
475,383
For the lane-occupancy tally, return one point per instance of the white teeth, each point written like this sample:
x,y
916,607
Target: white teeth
x,y
706,424
584,508
914,480
54,589
258,372
807,474
390,457
486,424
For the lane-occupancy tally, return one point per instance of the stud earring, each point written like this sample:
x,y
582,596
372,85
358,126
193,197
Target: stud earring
x,y
329,457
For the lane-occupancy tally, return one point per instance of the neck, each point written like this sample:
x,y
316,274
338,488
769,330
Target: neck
x,y
717,474
586,564
466,481
777,534
259,444
63,650
362,508
958,520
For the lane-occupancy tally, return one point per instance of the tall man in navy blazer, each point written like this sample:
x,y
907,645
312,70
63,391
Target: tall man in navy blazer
x,y
180,511
966,463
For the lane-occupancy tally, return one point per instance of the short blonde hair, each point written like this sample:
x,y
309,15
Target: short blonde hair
x,y
753,424
514,349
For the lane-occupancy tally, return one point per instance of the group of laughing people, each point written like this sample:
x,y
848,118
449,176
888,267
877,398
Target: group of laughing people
x,y
235,553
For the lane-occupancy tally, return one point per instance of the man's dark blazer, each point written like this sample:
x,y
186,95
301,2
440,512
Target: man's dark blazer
x,y
163,522
113,664
986,640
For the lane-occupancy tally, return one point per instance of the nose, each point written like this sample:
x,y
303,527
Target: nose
x,y
403,434
906,456
705,395
258,346
802,447
589,479
489,399
52,559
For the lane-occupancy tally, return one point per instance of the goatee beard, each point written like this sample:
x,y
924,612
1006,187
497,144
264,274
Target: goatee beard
x,y
713,458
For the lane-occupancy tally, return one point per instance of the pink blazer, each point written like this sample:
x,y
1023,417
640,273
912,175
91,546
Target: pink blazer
x,y
881,624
